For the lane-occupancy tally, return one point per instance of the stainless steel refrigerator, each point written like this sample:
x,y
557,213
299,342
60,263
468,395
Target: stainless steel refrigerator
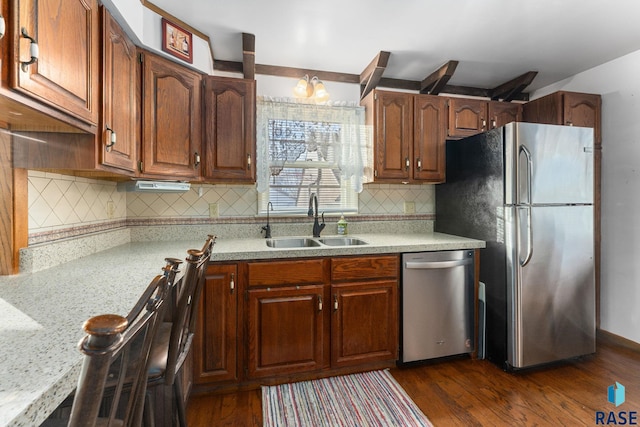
x,y
527,190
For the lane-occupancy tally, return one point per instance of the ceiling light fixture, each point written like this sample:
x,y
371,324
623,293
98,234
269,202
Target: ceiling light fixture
x,y
311,89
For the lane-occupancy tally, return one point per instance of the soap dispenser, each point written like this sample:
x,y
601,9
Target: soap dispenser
x,y
342,226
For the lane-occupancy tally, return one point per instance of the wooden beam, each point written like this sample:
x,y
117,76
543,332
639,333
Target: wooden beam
x,y
412,85
510,90
436,81
297,73
249,56
370,77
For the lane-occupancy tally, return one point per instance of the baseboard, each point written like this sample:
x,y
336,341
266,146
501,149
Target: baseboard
x,y
617,340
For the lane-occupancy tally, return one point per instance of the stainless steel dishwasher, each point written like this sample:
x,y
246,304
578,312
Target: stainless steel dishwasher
x,y
437,304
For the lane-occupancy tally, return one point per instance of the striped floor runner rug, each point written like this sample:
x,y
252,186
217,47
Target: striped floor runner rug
x,y
358,400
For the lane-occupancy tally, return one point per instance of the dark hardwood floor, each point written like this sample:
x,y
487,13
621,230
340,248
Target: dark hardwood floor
x,y
466,392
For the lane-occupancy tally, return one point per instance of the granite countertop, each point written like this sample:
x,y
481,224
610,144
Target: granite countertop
x,y
41,313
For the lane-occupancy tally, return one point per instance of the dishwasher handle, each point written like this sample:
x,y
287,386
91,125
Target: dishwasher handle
x,y
426,265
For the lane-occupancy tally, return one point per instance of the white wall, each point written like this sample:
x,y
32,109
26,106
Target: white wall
x,y
618,83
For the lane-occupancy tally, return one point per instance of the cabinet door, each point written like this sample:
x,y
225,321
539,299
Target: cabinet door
x,y
467,117
120,120
215,348
66,72
430,134
229,133
285,330
171,127
501,113
393,134
364,323
583,109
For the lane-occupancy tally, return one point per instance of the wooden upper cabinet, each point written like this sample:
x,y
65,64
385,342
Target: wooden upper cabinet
x,y
566,108
229,129
467,117
66,73
501,113
117,140
409,136
429,138
171,119
392,115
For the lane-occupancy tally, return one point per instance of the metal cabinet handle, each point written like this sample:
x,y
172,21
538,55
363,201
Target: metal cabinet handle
x,y
232,283
248,161
407,163
112,140
419,164
494,124
335,302
3,26
484,124
34,51
319,302
196,160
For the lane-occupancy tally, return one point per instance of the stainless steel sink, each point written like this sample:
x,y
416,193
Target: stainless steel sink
x,y
292,242
342,241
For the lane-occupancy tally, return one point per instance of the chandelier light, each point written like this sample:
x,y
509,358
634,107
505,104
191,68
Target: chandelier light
x,y
311,89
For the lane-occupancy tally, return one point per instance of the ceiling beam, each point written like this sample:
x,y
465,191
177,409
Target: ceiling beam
x,y
249,56
412,85
513,88
436,81
370,77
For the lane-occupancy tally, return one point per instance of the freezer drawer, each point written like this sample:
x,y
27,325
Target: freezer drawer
x,y
437,304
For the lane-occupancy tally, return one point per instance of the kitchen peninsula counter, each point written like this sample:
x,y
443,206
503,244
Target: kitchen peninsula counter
x,y
41,313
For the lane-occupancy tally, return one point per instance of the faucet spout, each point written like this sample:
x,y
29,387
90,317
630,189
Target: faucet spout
x,y
313,211
267,228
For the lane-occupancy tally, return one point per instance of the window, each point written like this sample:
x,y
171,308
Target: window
x,y
309,149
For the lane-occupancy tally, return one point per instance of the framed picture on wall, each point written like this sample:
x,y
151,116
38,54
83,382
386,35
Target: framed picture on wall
x,y
177,41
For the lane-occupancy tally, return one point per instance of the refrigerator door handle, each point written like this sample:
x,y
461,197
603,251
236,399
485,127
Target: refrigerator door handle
x,y
527,257
527,155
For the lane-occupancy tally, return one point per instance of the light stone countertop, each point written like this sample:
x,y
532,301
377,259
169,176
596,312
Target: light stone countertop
x,y
41,313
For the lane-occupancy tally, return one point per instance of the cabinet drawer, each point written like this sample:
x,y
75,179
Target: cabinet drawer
x,y
364,268
272,273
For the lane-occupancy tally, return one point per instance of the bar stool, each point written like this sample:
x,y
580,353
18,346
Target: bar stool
x,y
174,338
116,358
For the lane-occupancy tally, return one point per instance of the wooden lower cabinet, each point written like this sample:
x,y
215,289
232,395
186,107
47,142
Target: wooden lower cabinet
x,y
215,348
285,330
364,325
295,319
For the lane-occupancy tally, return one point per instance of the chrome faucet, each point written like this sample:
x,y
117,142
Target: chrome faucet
x,y
267,228
313,211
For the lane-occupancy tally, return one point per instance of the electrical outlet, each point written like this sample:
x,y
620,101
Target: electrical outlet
x,y
213,210
111,209
409,207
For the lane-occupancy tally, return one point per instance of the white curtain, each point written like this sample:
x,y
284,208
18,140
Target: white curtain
x,y
351,143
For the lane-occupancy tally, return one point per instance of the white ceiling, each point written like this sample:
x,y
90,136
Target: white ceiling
x,y
493,40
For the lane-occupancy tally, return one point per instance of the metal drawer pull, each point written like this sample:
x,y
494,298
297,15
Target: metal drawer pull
x,y
112,140
34,51
319,303
248,161
196,160
438,264
232,283
3,26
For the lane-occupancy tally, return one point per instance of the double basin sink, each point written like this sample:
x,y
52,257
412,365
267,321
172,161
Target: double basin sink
x,y
308,242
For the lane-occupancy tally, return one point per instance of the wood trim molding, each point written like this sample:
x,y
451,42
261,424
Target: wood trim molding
x,y
170,17
6,203
618,340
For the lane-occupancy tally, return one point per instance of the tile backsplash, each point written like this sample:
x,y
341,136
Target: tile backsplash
x,y
59,202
